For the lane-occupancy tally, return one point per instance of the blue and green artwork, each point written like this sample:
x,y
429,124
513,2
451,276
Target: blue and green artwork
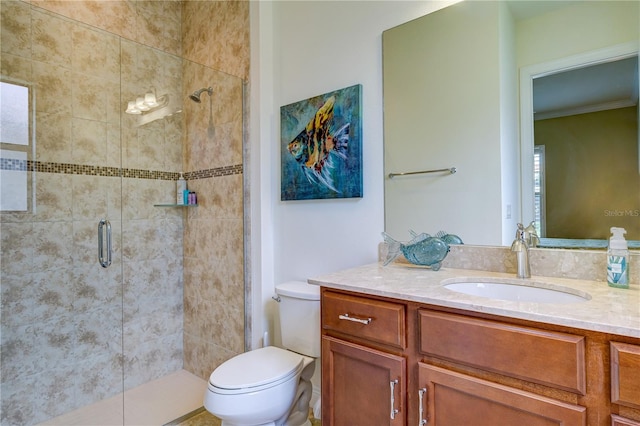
x,y
321,146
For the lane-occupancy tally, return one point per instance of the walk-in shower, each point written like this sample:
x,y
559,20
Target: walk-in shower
x,y
81,322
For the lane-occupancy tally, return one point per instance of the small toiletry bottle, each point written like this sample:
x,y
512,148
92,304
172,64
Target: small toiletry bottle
x,y
181,186
618,259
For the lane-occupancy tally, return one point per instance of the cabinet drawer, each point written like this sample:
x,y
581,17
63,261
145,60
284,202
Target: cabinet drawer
x,y
540,356
369,319
621,421
455,399
625,374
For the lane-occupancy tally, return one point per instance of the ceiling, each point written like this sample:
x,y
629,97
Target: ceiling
x,y
593,88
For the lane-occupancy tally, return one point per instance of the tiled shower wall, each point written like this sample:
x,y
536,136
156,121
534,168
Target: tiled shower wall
x,y
215,34
61,313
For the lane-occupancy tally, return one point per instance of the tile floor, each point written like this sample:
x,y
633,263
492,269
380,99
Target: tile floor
x,y
207,419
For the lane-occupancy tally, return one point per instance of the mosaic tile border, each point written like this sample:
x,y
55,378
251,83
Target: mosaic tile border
x,y
83,169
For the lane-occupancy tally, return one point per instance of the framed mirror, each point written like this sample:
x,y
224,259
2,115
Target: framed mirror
x,y
453,97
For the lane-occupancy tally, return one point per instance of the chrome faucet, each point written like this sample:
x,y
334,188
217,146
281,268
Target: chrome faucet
x,y
521,248
531,236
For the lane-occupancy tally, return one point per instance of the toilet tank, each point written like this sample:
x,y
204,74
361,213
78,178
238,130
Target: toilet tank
x,y
300,317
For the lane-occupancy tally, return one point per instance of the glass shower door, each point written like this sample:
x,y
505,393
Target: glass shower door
x,y
62,314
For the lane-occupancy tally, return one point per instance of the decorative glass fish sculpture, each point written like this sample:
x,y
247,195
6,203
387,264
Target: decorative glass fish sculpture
x,y
447,238
423,249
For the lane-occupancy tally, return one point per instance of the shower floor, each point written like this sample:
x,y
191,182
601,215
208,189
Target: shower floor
x,y
155,403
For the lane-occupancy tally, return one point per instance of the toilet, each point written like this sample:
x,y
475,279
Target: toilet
x,y
271,386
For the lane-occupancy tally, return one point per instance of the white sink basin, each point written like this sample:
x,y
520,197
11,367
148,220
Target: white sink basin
x,y
519,292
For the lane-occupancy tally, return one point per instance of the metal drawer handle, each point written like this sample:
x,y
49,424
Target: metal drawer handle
x,y
354,319
393,384
423,420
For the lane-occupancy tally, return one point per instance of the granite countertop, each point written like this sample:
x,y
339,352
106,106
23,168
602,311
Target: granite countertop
x,y
609,310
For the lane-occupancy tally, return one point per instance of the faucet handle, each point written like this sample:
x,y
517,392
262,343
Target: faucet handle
x,y
520,241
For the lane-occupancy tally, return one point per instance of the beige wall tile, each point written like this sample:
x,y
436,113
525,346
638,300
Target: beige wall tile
x,y
51,39
15,67
89,198
94,286
114,146
88,141
51,241
202,356
53,137
117,17
29,298
15,28
54,197
98,377
53,85
158,25
84,249
88,97
216,34
95,53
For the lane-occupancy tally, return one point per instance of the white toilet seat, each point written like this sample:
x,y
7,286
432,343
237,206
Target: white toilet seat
x,y
255,370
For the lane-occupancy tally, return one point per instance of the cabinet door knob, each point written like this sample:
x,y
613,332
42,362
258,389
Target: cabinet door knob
x,y
393,384
423,420
354,319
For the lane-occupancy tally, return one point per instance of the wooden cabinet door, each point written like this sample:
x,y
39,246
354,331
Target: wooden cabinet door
x,y
625,374
361,386
454,399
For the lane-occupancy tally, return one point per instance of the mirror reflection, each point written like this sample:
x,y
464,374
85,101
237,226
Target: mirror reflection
x,y
454,97
586,151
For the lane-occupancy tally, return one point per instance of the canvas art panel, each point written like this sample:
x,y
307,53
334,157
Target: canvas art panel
x,y
321,146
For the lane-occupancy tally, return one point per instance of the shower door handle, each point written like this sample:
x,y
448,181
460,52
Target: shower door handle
x,y
104,233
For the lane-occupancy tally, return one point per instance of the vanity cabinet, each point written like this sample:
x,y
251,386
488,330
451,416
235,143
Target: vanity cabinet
x,y
363,363
398,362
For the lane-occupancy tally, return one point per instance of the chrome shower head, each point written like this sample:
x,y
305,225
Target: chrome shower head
x,y
195,96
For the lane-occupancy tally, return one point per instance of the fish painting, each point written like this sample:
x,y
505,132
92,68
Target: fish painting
x,y
315,145
321,146
423,249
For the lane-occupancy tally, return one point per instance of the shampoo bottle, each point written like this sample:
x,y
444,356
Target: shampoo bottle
x,y
181,186
618,259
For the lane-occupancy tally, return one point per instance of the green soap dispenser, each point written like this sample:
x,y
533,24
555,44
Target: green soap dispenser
x,y
618,259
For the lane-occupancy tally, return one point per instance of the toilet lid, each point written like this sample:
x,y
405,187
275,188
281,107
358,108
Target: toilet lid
x,y
256,368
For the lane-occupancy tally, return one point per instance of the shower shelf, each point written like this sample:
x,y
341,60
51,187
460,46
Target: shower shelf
x,y
175,205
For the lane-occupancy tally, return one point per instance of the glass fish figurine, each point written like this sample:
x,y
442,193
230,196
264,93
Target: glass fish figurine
x,y
447,238
423,250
